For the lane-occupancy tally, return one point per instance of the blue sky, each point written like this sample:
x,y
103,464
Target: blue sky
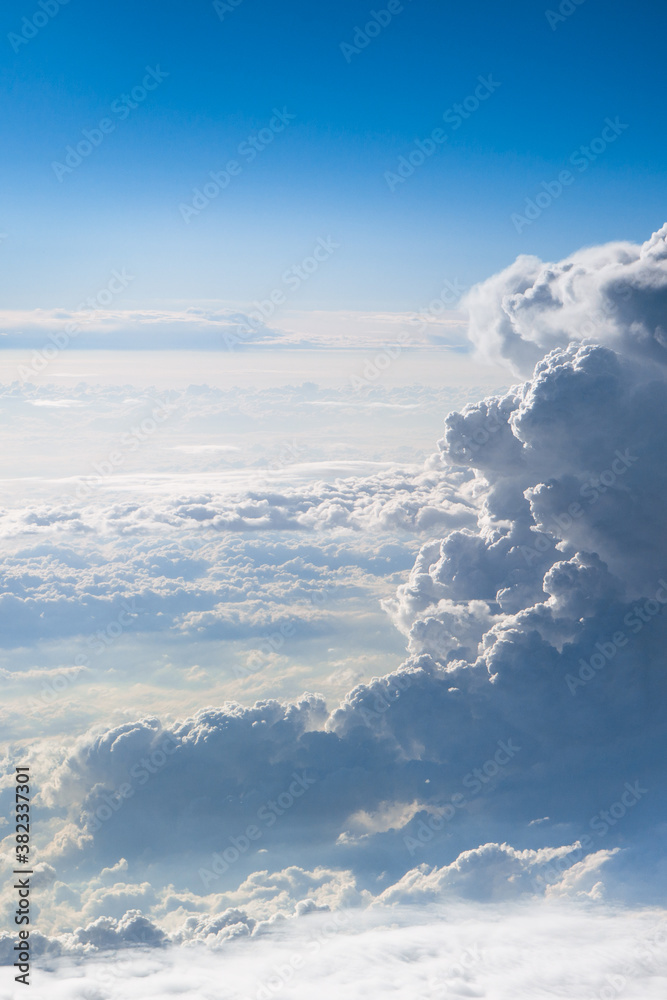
x,y
325,173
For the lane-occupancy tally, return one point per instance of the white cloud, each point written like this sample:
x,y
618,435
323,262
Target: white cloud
x,y
615,295
108,914
519,950
220,326
534,686
500,615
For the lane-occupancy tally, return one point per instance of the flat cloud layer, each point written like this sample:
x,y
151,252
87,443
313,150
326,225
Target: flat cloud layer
x,y
225,517
518,952
97,324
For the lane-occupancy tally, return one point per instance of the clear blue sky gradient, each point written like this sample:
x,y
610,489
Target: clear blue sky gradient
x,y
325,173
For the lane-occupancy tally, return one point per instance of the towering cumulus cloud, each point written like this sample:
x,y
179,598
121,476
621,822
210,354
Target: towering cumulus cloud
x,y
535,688
519,748
615,295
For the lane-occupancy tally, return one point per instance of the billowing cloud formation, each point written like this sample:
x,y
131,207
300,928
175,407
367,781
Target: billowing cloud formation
x,y
392,501
527,716
543,625
535,688
614,295
492,873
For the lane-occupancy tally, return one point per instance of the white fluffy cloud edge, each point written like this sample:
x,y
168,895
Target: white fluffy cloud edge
x,y
535,626
411,953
